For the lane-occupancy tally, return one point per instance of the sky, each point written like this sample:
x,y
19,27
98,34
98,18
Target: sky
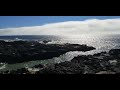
x,y
56,25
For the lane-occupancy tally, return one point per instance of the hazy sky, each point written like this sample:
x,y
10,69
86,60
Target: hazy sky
x,y
58,25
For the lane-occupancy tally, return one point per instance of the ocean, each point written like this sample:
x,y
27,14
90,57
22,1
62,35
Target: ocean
x,y
100,42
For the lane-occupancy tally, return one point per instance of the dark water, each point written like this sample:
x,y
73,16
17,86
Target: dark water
x,y
31,37
100,42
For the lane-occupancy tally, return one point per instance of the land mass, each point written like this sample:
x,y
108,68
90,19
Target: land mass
x,y
100,63
23,51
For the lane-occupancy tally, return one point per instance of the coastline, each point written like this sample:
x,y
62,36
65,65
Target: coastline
x,y
100,63
23,51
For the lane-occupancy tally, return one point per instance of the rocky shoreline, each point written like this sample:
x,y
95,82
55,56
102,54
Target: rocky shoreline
x,y
101,63
23,51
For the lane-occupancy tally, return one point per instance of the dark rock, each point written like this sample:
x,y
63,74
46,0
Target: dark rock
x,y
100,54
19,71
83,65
38,66
101,63
64,68
46,41
115,52
88,70
21,51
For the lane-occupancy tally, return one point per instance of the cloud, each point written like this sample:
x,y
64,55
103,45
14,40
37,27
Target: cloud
x,y
91,26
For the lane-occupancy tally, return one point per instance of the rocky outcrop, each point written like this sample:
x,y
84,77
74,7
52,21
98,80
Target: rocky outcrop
x,y
21,51
115,53
101,63
46,41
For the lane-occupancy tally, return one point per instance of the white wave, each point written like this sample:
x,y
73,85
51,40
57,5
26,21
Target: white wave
x,y
3,65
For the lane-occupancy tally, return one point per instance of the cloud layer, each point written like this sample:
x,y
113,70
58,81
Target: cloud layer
x,y
91,26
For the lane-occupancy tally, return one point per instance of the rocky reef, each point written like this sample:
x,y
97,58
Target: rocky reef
x,y
100,63
23,51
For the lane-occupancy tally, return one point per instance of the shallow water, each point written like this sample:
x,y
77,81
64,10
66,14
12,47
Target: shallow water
x,y
100,42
